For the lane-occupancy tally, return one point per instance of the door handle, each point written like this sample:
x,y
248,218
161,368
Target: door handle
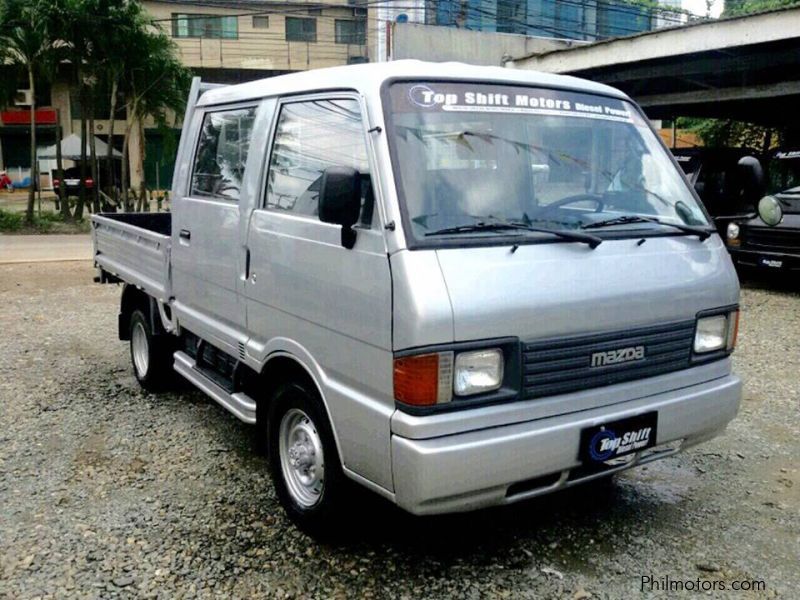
x,y
185,234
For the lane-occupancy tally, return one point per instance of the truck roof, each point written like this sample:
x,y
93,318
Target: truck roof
x,y
368,78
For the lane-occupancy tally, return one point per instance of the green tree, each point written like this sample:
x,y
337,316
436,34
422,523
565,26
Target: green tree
x,y
735,8
71,25
731,133
154,85
26,47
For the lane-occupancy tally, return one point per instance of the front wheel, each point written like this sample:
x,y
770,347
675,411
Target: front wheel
x,y
151,355
304,462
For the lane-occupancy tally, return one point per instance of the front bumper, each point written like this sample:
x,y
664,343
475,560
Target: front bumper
x,y
505,464
771,261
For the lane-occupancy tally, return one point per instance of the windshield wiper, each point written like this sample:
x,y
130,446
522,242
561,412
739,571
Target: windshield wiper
x,y
701,233
573,236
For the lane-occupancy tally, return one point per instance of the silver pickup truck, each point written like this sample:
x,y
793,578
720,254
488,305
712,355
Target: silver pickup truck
x,y
457,286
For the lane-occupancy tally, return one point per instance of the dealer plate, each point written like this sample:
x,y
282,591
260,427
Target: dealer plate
x,y
618,438
770,262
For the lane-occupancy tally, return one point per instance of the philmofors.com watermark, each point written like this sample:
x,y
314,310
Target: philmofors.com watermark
x,y
665,583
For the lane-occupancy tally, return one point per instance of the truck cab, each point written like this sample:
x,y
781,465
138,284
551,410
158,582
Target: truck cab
x,y
768,238
719,180
457,286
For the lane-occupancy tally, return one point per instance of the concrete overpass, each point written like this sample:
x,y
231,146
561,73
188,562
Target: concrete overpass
x,y
746,68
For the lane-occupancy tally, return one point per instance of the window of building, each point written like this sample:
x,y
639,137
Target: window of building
x,y
311,137
261,22
351,32
221,154
204,26
299,29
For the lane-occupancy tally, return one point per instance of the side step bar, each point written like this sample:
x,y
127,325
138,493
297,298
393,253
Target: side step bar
x,y
241,405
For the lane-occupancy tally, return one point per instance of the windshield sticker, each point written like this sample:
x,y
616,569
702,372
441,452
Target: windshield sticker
x,y
482,98
789,154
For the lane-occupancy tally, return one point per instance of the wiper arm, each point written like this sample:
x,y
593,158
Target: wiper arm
x,y
574,236
471,227
701,233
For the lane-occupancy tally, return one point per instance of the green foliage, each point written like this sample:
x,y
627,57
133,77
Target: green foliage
x,y
727,132
14,222
735,8
106,46
11,221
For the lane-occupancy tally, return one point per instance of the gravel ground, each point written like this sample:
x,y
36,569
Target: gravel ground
x,y
107,491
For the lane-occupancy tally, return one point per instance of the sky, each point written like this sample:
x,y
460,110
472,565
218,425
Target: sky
x,y
698,7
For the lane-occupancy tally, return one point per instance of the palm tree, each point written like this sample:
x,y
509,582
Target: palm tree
x,y
73,25
28,48
155,84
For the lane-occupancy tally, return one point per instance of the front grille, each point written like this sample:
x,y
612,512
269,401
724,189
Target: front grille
x,y
773,239
562,365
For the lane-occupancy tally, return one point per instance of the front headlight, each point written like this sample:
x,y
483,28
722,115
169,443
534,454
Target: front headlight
x,y
477,372
717,332
733,233
711,334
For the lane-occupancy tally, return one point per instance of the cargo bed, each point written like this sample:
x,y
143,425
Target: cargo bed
x,y
135,247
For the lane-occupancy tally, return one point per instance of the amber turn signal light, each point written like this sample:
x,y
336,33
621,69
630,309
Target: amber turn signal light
x,y
424,379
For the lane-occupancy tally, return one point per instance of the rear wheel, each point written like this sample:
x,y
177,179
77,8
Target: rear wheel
x,y
151,355
304,462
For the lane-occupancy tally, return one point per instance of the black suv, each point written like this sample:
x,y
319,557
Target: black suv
x,y
72,181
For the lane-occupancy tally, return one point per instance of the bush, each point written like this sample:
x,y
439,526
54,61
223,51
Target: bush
x,y
15,222
10,221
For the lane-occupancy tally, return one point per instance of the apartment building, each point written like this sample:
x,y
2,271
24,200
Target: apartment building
x,y
261,38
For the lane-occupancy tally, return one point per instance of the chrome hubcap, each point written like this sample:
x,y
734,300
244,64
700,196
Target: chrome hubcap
x,y
141,359
302,461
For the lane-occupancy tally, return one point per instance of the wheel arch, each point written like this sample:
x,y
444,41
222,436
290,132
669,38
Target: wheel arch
x,y
135,298
283,366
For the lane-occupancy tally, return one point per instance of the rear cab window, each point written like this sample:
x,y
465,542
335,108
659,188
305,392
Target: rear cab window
x,y
221,154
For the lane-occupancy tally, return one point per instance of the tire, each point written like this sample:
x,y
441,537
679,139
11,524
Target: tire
x,y
304,462
151,355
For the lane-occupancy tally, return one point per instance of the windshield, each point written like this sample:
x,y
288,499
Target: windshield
x,y
480,153
784,173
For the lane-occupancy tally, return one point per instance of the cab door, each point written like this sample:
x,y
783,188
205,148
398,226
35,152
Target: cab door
x,y
207,249
305,287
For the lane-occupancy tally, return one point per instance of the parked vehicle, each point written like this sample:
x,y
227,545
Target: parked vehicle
x,y
72,181
769,237
458,286
719,180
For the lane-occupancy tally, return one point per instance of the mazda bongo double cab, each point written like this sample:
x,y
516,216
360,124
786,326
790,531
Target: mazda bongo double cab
x,y
457,286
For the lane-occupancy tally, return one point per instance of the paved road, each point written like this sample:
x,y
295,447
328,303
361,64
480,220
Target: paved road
x,y
44,248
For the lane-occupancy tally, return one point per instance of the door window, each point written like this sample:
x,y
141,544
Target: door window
x,y
312,136
221,154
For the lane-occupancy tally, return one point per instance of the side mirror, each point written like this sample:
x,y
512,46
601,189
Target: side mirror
x,y
770,210
340,200
752,177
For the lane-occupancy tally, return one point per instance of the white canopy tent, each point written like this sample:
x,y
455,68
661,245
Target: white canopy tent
x,y
71,149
